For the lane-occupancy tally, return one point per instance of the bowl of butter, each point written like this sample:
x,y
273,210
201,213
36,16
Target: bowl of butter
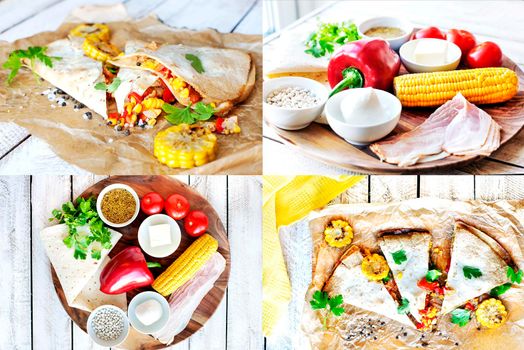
x,y
148,312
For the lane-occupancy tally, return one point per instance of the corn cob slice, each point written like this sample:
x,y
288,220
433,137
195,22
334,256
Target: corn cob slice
x,y
94,31
186,266
479,86
185,146
99,50
152,103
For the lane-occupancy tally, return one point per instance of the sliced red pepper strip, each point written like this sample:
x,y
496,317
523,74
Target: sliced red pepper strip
x,y
114,115
429,286
167,96
137,97
469,306
219,125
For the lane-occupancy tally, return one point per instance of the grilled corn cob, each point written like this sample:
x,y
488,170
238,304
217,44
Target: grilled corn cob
x,y
185,146
99,50
491,313
338,233
94,31
375,267
479,86
186,266
152,103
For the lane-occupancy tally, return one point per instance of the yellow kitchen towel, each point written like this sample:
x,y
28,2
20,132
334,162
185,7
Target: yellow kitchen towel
x,y
287,199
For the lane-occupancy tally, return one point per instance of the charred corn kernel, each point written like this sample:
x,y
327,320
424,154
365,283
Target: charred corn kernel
x,y
152,103
151,122
399,275
99,50
186,266
375,267
137,109
133,118
184,93
479,86
213,104
129,108
94,31
236,129
185,146
338,233
178,84
149,64
491,313
111,121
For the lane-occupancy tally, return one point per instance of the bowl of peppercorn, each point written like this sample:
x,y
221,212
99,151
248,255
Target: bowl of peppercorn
x,y
118,205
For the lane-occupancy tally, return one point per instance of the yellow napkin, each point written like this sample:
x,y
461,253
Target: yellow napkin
x,y
287,199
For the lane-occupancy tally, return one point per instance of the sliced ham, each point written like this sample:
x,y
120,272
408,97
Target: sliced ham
x,y
455,128
185,300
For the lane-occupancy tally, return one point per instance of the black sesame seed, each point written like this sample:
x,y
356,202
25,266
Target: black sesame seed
x,y
425,344
138,64
456,344
127,132
63,104
405,334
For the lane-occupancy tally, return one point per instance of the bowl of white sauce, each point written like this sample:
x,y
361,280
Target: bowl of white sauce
x,y
363,115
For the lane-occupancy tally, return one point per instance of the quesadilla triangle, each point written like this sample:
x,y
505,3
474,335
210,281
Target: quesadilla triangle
x,y
476,266
357,290
223,77
74,73
414,247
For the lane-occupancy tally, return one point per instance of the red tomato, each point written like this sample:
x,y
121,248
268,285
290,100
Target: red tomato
x,y
152,203
196,223
429,32
463,39
487,54
177,206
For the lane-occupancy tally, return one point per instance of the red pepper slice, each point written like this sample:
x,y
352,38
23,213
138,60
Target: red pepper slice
x,y
167,96
469,306
137,97
219,125
419,325
194,96
148,92
429,286
114,115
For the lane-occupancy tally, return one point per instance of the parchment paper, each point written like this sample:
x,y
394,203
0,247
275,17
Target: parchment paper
x,y
95,147
502,220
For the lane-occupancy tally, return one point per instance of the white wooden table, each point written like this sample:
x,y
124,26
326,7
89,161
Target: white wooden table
x,y
21,153
498,21
31,316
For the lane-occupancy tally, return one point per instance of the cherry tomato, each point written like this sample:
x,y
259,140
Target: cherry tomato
x,y
487,54
177,206
429,32
152,203
469,306
196,223
463,39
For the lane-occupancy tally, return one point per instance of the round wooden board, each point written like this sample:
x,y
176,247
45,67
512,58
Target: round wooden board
x,y
320,142
165,186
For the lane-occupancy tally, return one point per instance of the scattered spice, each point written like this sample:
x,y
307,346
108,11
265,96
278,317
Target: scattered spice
x,y
118,206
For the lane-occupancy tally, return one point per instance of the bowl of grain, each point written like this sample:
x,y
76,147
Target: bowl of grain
x,y
108,325
118,205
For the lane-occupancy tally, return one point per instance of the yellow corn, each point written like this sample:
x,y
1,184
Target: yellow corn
x,y
94,31
152,103
149,64
137,109
184,93
185,146
479,86
99,50
178,83
186,266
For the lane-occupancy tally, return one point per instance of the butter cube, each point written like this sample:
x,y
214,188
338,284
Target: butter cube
x,y
431,52
159,235
149,312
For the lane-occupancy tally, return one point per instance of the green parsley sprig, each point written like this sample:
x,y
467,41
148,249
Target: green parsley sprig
x,y
471,272
514,277
403,308
321,300
109,87
328,36
33,53
460,317
196,63
433,275
188,115
399,256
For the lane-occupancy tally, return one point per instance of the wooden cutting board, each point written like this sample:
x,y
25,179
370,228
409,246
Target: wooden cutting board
x,y
320,142
164,186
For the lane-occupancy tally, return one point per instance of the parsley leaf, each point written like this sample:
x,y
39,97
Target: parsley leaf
x,y
334,305
433,275
321,300
386,279
495,292
187,115
109,88
460,317
471,272
328,35
14,61
403,307
195,62
515,277
399,256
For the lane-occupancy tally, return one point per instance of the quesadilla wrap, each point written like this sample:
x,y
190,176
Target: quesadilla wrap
x,y
223,77
407,273
472,250
80,279
357,290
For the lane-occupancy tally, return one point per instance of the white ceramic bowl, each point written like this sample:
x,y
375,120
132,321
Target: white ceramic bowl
x,y
406,55
143,235
293,118
106,343
114,187
394,43
361,135
154,327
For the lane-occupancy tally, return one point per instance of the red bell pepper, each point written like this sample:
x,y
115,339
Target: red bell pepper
x,y
429,286
126,271
363,63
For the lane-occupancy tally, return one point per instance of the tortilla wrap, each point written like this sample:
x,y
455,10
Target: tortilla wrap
x,y
408,273
472,248
132,80
80,279
228,77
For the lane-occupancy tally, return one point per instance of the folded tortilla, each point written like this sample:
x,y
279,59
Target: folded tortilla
x,y
132,80
472,248
408,273
228,77
80,279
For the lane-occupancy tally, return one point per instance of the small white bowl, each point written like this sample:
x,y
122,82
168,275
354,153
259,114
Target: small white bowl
x,y
406,55
106,343
143,235
154,327
293,118
114,187
394,43
361,135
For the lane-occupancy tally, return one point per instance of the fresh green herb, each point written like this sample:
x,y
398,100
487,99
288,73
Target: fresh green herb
x,y
433,275
195,62
515,277
471,272
403,307
151,264
321,300
14,61
399,256
386,279
187,115
495,292
328,35
83,214
109,88
460,317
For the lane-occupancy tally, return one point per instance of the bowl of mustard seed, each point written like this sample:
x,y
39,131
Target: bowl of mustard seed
x,y
118,205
